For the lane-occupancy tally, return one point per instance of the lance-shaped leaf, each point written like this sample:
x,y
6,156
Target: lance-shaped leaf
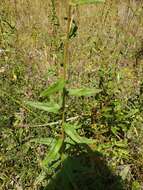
x,y
47,106
72,133
53,153
83,2
83,91
45,141
56,87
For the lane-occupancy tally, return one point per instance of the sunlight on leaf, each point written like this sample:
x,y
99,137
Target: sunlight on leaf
x,y
58,86
52,153
71,132
47,106
83,92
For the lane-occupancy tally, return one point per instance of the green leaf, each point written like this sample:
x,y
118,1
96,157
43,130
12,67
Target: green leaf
x,y
53,152
83,2
47,106
58,86
73,29
83,92
45,141
72,133
69,141
125,172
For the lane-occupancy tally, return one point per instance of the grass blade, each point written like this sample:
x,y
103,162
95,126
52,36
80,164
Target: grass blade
x,y
83,2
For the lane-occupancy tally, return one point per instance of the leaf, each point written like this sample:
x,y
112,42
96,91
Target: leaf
x,y
125,172
68,140
52,154
71,132
47,106
45,141
83,91
73,29
83,2
58,86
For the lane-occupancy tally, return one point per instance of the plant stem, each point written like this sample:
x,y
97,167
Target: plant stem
x,y
63,113
66,47
65,64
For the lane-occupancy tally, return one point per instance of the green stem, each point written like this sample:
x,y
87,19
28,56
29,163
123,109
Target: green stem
x,y
65,64
63,113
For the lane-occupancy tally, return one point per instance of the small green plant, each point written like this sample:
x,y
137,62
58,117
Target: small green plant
x,y
68,135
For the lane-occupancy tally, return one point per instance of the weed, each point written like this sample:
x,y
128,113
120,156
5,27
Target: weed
x,y
97,99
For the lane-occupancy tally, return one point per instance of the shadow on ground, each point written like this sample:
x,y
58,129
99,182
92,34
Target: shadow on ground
x,y
86,170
